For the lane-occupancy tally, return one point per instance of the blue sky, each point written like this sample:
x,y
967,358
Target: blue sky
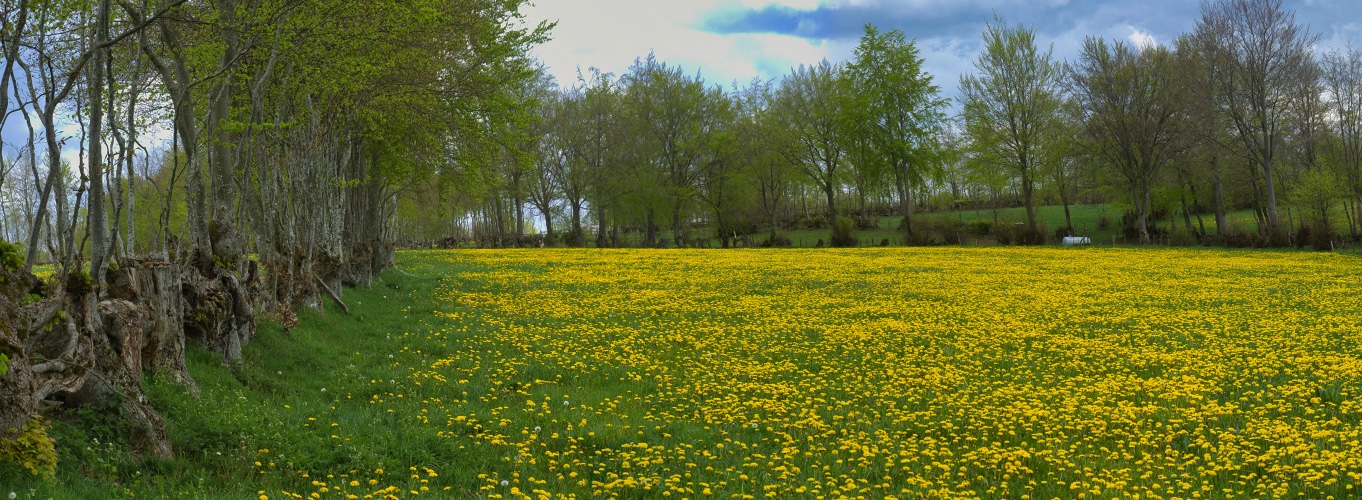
x,y
729,40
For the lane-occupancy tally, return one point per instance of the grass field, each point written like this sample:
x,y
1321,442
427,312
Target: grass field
x,y
874,373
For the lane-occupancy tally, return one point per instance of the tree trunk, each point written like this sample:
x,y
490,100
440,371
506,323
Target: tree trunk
x,y
98,219
905,201
548,227
222,230
156,287
1273,221
1141,213
578,239
600,229
830,192
73,355
1201,222
1064,199
676,225
1186,216
1221,221
519,201
1027,190
650,230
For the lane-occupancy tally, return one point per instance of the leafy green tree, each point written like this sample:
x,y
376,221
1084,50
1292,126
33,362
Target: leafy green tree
x,y
1012,102
1316,192
812,102
728,150
1211,148
771,173
670,112
898,111
590,133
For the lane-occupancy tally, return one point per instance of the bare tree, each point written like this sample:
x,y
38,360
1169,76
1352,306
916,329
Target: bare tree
x,y
1264,54
1131,109
1343,81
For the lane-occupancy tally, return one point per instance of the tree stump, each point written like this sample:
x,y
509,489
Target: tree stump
x,y
155,286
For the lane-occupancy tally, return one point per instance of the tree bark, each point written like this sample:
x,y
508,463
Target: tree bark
x,y
98,219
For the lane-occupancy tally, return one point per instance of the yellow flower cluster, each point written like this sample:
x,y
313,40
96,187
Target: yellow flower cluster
x,y
875,373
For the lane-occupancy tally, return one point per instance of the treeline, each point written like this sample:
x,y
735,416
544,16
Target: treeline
x,y
294,128
1243,113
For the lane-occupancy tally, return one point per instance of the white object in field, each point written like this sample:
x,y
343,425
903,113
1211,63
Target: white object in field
x,y
1077,240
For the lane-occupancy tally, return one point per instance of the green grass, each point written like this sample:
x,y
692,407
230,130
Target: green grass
x,y
321,370
842,358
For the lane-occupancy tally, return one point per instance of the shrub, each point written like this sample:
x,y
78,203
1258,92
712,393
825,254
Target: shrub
x,y
1237,237
746,225
32,449
1303,236
1132,232
776,240
932,233
1027,235
1276,239
814,222
78,281
979,226
864,223
1321,238
844,233
1003,234
1183,239
10,258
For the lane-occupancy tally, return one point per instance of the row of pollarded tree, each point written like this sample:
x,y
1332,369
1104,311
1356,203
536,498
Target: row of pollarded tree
x,y
1241,113
294,127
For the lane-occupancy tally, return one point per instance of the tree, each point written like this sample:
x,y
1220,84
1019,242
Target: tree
x,y
1264,54
1065,159
547,156
301,124
811,101
1343,79
1132,113
1012,103
898,111
670,110
771,173
588,132
1210,146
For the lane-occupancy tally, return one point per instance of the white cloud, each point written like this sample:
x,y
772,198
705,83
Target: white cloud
x,y
610,34
1141,39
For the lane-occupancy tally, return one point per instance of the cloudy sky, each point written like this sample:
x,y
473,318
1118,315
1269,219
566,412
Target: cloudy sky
x,y
738,40
728,40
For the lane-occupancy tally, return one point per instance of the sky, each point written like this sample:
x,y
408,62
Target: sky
x,y
730,41
738,40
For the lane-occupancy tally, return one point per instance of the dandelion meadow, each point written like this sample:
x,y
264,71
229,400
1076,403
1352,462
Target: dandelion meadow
x,y
862,373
